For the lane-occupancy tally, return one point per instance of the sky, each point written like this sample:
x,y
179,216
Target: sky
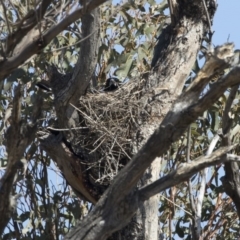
x,y
226,26
226,23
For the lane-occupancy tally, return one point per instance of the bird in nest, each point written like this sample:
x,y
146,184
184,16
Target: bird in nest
x,y
112,84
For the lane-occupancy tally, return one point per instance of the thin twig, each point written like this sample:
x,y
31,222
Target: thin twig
x,y
66,129
190,214
189,181
203,184
105,129
209,21
5,16
37,19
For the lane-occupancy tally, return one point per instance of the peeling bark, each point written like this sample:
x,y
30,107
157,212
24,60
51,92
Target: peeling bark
x,y
170,113
113,208
174,57
102,221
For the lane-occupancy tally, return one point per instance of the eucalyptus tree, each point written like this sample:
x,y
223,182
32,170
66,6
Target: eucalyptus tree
x,y
110,129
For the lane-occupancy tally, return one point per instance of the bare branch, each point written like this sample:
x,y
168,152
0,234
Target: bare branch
x,y
216,62
34,45
5,16
231,180
227,116
87,60
185,171
68,163
25,25
207,14
174,11
202,189
19,135
218,88
193,207
171,128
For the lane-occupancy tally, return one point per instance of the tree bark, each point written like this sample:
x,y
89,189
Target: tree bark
x,y
147,214
231,180
174,57
121,200
37,41
19,135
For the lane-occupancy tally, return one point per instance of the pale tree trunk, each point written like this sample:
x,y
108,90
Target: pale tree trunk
x,y
173,60
147,215
144,225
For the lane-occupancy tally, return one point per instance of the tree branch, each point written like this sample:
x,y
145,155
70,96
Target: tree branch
x,y
173,126
76,86
216,62
231,180
69,164
186,170
101,222
37,43
25,25
87,60
174,11
19,135
194,225
202,188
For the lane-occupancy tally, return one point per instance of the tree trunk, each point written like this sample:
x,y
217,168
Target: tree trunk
x,y
173,60
144,225
147,214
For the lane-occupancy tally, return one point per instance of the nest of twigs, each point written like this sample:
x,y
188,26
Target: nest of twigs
x,y
112,125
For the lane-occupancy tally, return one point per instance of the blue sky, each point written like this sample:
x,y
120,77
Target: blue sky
x,y
226,22
226,25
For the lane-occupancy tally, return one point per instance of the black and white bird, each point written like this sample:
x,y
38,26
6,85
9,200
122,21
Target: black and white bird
x,y
112,84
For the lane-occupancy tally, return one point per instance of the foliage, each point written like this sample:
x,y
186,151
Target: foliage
x,y
47,207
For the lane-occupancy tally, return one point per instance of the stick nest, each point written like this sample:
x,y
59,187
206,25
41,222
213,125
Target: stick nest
x,y
112,129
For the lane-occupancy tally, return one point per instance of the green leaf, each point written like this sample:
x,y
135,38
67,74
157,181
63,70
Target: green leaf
x,y
123,71
149,30
141,53
140,30
152,2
